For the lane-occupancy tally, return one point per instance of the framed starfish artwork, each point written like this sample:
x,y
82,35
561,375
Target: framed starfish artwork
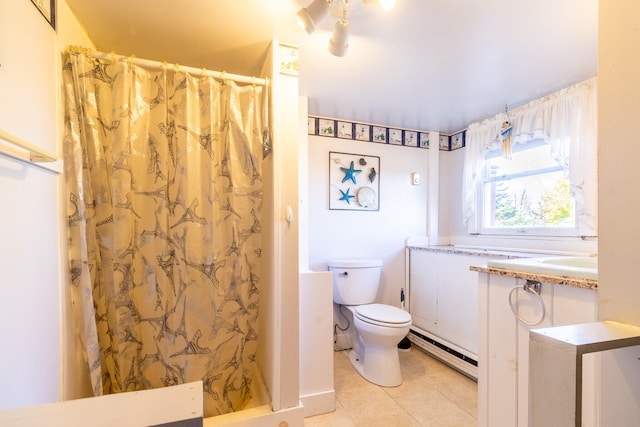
x,y
354,182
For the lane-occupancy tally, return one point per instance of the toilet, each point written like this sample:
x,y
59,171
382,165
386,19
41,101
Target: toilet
x,y
379,327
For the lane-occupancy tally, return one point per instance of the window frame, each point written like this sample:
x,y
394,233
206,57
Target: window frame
x,y
482,209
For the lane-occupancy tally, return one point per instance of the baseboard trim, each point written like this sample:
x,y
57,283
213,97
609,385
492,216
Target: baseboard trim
x,y
318,403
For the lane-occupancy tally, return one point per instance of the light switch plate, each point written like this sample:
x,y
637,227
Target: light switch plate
x,y
415,178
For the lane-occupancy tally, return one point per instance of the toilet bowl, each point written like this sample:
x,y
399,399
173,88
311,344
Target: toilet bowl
x,y
379,327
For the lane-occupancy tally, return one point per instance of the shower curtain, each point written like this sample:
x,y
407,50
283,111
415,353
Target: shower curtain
x,y
164,195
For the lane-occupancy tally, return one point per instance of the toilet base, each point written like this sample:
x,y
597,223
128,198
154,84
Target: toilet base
x,y
380,366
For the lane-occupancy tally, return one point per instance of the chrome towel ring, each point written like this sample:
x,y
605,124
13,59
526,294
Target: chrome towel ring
x,y
534,288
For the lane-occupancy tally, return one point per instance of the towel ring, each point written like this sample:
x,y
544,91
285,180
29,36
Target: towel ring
x,y
533,288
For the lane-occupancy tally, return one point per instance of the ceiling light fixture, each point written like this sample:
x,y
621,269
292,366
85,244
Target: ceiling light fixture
x,y
339,43
311,16
385,4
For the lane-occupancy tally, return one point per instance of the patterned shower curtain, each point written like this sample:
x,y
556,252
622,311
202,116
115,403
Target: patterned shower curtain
x,y
164,195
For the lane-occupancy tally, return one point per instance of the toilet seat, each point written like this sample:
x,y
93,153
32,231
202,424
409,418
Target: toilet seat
x,y
383,315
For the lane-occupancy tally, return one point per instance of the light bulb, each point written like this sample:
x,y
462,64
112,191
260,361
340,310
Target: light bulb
x,y
387,4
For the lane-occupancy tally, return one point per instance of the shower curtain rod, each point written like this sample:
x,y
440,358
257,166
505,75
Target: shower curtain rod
x,y
193,70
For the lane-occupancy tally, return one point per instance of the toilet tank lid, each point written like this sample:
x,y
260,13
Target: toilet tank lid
x,y
355,263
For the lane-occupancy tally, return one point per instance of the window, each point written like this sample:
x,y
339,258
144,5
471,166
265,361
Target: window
x,y
548,185
526,193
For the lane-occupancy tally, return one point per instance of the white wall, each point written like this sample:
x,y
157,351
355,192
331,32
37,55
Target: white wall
x,y
29,219
619,250
40,361
368,234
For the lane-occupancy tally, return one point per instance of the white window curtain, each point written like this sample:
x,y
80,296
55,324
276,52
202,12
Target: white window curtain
x,y
567,120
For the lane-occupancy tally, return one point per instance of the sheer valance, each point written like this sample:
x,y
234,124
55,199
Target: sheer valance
x,y
567,121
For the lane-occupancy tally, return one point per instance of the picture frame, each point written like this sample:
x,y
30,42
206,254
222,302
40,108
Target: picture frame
x,y
354,182
379,134
444,143
457,141
345,130
424,140
410,138
311,126
326,127
288,57
363,132
335,128
48,10
395,136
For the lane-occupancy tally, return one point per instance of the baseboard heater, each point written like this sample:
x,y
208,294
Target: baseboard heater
x,y
464,363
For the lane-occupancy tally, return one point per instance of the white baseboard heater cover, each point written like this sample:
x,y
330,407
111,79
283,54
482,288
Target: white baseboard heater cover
x,y
445,352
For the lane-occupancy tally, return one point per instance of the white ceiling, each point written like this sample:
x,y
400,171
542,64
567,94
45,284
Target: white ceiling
x,y
426,65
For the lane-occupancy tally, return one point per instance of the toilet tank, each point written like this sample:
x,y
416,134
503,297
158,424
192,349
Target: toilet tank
x,y
355,281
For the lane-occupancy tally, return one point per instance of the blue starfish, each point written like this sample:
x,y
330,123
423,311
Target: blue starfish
x,y
349,173
346,196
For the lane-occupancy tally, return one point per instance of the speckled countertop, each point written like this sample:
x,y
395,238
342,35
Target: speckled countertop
x,y
457,250
526,275
539,277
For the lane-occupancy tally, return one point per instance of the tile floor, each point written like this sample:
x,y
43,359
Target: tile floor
x,y
431,394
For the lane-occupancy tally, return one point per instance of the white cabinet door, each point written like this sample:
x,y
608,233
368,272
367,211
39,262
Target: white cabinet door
x,y
423,298
530,309
498,363
444,296
458,300
503,365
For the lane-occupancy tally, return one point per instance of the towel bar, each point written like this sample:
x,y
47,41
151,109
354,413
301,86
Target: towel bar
x,y
29,153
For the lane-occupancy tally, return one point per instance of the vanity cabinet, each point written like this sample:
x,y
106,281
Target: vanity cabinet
x,y
444,298
503,364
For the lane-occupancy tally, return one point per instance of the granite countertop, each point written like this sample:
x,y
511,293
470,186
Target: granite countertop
x,y
503,254
539,277
457,250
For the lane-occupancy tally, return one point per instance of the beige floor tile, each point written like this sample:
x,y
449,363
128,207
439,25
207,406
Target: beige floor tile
x,y
431,408
339,418
462,391
431,394
410,385
396,419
